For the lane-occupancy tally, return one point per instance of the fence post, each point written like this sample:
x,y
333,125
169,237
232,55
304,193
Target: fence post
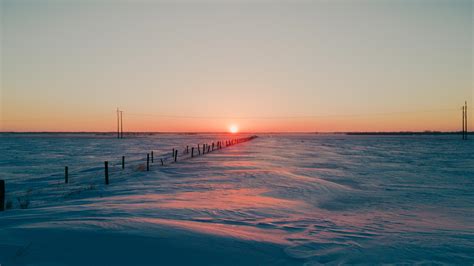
x,y
106,168
192,152
152,157
213,146
161,161
199,150
148,162
123,162
172,155
175,155
2,195
66,175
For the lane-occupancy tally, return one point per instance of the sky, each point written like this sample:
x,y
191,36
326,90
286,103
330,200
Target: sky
x,y
202,66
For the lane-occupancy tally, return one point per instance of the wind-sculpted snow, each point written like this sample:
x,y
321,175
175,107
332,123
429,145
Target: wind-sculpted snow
x,y
277,200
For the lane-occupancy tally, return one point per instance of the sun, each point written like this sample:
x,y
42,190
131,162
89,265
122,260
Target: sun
x,y
233,129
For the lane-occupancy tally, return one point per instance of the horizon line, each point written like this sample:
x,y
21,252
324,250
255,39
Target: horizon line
x,y
226,132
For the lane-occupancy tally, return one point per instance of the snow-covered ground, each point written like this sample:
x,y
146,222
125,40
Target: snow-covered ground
x,y
276,200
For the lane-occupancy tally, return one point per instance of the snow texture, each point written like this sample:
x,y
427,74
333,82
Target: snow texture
x,y
280,199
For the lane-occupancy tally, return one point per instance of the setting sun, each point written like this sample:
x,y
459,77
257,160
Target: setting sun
x,y
233,129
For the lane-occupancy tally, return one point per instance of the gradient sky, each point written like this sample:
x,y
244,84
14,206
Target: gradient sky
x,y
264,65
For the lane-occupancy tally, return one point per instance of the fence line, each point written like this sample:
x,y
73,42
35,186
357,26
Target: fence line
x,y
113,172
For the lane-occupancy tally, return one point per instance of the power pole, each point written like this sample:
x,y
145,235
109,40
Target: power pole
x,y
462,132
465,119
118,124
121,125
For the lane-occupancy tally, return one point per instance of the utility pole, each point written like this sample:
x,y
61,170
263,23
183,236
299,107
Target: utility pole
x,y
465,118
118,124
463,123
121,125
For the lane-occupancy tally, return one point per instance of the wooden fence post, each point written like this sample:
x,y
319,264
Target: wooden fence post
x,y
66,175
192,152
152,157
175,155
148,162
162,162
2,195
199,150
123,162
106,168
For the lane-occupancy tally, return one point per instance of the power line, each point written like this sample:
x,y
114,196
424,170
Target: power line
x,y
291,117
99,117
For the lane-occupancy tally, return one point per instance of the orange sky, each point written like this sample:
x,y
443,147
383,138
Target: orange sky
x,y
347,65
439,121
